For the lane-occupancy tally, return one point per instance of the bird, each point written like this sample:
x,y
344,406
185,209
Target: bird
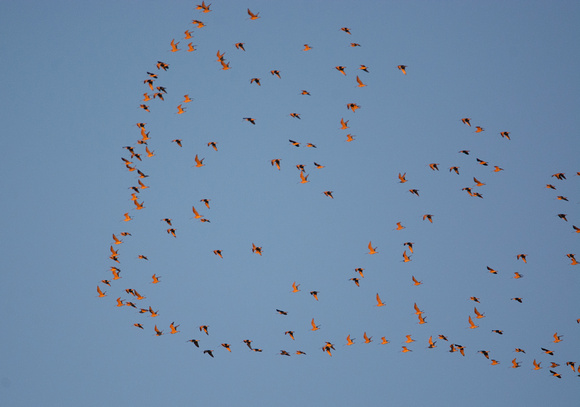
x,y
432,343
479,129
349,137
145,107
177,141
307,47
356,281
434,166
557,338
559,175
295,115
256,81
562,216
399,226
497,169
209,352
402,68
314,294
117,241
276,162
406,258
310,145
405,349
314,326
414,191
349,341
294,143
417,310
279,311
456,169
256,249
492,271
367,339
517,275
340,69
505,134
180,110
295,287
299,352
174,46
171,231
549,352
101,293
203,328
558,375
249,119
497,331
471,324
346,30
305,92
415,282
227,346
248,342
191,47
518,299
203,7
328,193
155,279
484,163
360,83
194,341
352,106
252,15
536,365
355,44
429,217
200,24
158,332
196,213
360,270
477,182
303,178
276,72
409,245
522,257
290,334
466,120
379,302
409,339
402,178
162,65
484,353
173,328
240,45
218,253
213,144
477,313
318,166
198,162
474,299
142,257
206,202
344,124
372,250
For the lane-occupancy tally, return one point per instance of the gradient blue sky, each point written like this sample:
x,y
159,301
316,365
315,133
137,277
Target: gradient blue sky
x,y
73,77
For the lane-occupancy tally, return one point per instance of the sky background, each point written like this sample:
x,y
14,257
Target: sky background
x,y
73,77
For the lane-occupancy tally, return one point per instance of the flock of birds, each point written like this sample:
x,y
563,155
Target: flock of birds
x,y
141,151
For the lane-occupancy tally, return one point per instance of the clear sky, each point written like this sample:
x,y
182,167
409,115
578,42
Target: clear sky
x,y
73,79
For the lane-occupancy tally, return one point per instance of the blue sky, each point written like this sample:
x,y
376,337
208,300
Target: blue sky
x,y
73,82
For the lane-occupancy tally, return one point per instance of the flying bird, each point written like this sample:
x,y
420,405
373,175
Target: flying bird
x,y
252,15
402,68
372,250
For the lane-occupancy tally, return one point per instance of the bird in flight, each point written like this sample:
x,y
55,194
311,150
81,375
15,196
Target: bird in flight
x,y
372,250
252,15
307,47
256,249
471,324
402,68
379,302
346,30
314,326
198,162
295,287
249,119
314,294
367,339
340,69
415,282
